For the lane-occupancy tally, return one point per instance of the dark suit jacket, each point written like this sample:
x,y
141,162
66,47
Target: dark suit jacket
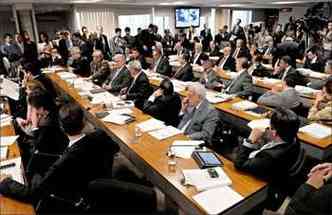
x,y
100,71
81,67
163,66
241,85
88,159
63,50
104,47
300,80
244,52
289,48
49,62
260,71
121,81
47,83
30,52
309,200
319,84
318,66
165,108
196,60
221,37
139,90
229,64
185,73
206,39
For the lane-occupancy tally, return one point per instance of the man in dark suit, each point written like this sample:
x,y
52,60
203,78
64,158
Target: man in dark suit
x,y
164,104
209,77
135,54
227,62
30,52
63,48
319,84
185,71
238,32
99,68
241,50
206,38
80,64
119,77
87,157
139,89
222,36
101,42
242,85
84,46
160,62
313,62
199,118
289,48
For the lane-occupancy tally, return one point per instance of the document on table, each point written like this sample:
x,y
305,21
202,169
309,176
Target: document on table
x,y
259,123
317,130
185,148
12,167
104,98
165,132
5,119
10,89
3,152
121,111
66,75
7,140
217,200
305,90
215,98
150,125
244,105
201,179
118,119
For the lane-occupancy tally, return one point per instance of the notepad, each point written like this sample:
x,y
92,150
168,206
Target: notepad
x,y
317,130
10,89
244,105
14,171
7,140
259,123
165,132
3,152
150,125
217,200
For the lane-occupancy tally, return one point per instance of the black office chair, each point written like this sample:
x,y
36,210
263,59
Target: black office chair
x,y
301,110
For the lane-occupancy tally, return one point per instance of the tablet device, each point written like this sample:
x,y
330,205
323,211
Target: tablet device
x,y
206,159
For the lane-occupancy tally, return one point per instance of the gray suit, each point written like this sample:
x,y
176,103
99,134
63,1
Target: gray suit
x,y
319,84
118,81
212,80
289,98
202,124
241,85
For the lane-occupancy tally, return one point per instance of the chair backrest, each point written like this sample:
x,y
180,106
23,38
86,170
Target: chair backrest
x,y
301,110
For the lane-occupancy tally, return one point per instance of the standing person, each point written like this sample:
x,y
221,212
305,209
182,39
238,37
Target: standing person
x,y
130,40
206,38
30,48
168,43
101,43
63,47
222,36
85,48
327,42
238,32
278,34
99,68
118,44
44,42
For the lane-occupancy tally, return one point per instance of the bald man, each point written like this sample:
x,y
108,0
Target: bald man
x,y
99,68
101,42
227,62
120,77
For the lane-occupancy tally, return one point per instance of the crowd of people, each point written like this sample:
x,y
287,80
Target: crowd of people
x,y
49,127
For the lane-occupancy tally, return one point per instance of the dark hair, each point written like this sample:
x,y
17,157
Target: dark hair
x,y
77,34
167,86
41,98
117,30
328,87
286,123
71,118
291,80
6,35
244,63
127,29
45,35
204,57
287,59
84,27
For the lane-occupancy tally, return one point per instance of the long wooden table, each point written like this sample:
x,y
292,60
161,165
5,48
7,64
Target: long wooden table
x,y
149,156
318,148
10,206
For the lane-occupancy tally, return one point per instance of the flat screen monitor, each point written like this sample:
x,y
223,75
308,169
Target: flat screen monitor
x,y
186,17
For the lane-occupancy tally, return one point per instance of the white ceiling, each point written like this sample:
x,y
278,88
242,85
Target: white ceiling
x,y
202,3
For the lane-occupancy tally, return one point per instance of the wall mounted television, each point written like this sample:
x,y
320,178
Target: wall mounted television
x,y
187,16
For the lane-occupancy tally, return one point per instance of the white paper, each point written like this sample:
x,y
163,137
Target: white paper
x,y
217,200
10,89
5,119
271,81
215,98
305,90
7,140
104,98
150,125
3,152
122,104
244,105
15,172
165,132
317,130
121,111
201,179
259,123
116,119
185,148
66,75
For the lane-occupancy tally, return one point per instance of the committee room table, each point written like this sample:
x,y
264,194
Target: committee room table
x,y
149,156
10,206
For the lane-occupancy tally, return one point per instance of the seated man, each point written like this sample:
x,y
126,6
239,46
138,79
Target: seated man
x,y
319,84
160,62
208,78
119,77
227,62
99,68
312,61
196,58
185,71
88,157
199,118
164,104
80,64
257,68
272,153
49,58
241,50
139,89
322,109
135,54
242,84
314,197
285,96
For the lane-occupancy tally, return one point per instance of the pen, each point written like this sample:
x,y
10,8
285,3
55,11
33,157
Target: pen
x,y
7,166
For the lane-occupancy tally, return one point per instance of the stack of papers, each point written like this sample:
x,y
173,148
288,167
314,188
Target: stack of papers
x,y
7,140
179,85
165,132
10,89
67,75
122,104
201,179
52,69
244,105
185,148
317,130
14,169
215,98
217,200
150,125
5,119
271,81
305,90
175,63
103,98
3,152
259,123
116,118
